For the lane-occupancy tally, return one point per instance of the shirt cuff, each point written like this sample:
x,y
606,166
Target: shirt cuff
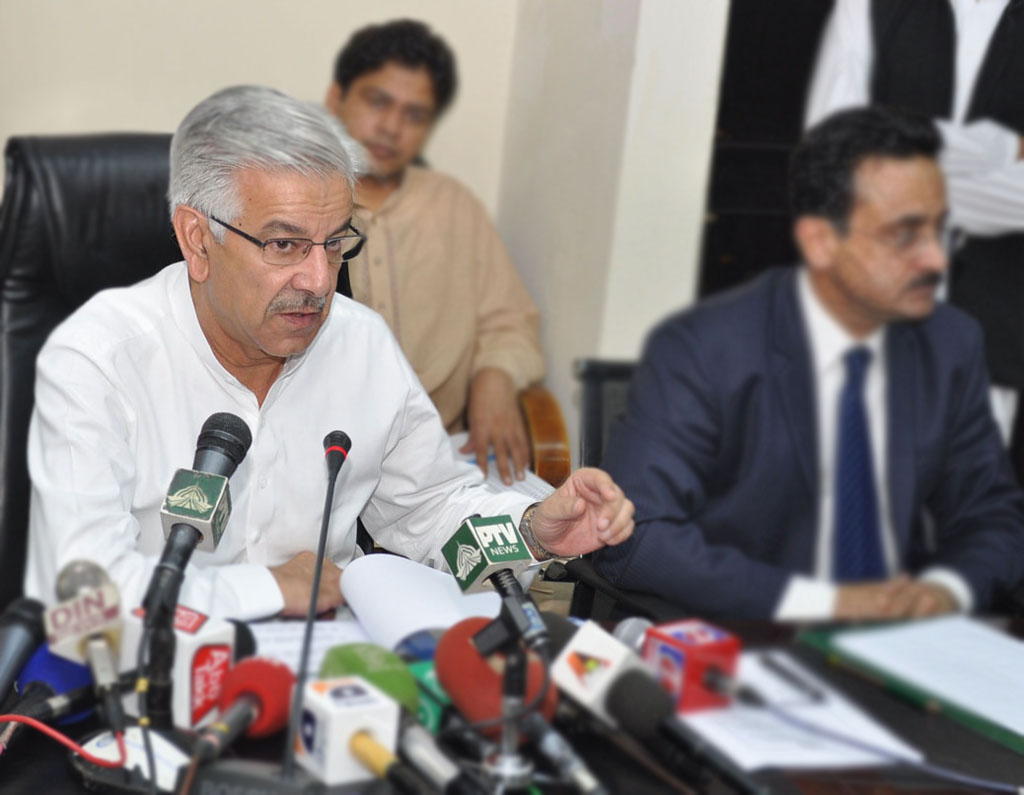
x,y
952,582
246,591
807,599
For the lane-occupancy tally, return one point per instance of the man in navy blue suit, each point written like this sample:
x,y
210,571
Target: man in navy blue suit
x,y
818,443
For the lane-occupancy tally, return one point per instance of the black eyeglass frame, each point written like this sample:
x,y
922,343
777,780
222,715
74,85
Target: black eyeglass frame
x,y
345,257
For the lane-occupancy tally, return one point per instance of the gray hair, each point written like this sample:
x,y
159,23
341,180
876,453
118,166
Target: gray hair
x,y
254,127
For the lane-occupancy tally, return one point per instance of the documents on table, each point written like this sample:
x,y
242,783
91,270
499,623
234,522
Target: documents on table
x,y
388,599
755,738
532,486
953,661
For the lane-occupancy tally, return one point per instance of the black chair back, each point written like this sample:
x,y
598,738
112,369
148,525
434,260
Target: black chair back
x,y
79,214
604,388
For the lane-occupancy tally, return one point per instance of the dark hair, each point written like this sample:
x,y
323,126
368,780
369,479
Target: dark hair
x,y
822,168
404,41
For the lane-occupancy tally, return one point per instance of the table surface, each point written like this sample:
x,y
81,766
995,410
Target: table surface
x,y
39,765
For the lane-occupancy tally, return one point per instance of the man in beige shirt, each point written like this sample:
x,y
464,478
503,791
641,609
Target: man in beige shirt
x,y
434,266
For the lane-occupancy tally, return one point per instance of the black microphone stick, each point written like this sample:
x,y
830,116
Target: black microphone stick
x,y
336,447
21,631
222,444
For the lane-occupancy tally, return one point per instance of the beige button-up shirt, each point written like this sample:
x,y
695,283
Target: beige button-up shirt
x,y
436,270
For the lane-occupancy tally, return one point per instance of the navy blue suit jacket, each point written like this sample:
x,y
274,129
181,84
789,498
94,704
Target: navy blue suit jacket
x,y
718,450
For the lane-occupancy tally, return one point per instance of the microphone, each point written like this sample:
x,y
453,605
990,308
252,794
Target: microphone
x,y
85,627
204,650
193,515
336,449
386,671
474,684
44,675
254,700
196,508
377,665
475,687
21,631
348,727
491,550
692,659
642,709
611,682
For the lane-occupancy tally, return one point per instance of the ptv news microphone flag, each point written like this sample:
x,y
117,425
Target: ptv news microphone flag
x,y
482,547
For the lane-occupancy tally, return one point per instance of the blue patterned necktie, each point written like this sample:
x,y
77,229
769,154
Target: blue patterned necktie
x,y
857,553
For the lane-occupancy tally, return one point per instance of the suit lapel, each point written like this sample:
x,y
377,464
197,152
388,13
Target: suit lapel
x,y
790,374
901,400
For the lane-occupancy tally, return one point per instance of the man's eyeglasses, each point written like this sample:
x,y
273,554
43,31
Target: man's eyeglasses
x,y
293,250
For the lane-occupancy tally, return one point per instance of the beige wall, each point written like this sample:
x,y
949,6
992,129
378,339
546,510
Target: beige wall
x,y
138,65
605,170
584,125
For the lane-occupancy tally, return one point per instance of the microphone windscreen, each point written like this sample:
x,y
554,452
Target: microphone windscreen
x,y
222,444
638,704
338,439
632,631
560,631
378,666
474,683
270,682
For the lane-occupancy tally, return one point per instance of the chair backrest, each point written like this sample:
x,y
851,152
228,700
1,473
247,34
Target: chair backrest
x,y
604,388
79,214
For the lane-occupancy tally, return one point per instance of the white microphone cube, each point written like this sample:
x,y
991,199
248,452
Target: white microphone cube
x,y
333,711
589,664
204,648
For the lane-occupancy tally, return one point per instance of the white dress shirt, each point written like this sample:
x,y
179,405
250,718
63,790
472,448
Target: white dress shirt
x,y
984,176
122,389
812,598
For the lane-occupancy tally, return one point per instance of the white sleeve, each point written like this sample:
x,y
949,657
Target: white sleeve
x,y
842,72
83,471
807,599
424,492
984,178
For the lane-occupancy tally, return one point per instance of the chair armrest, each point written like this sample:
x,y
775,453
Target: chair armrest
x,y
549,440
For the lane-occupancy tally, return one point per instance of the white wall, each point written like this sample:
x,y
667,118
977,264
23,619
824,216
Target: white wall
x,y
584,125
130,65
606,159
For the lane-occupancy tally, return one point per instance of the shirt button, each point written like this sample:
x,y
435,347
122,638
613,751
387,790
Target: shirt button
x,y
262,483
256,536
378,262
382,306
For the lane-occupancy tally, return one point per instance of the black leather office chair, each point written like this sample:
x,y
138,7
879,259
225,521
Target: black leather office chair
x,y
604,386
78,214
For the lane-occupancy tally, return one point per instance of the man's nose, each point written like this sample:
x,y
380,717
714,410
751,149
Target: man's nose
x,y
315,274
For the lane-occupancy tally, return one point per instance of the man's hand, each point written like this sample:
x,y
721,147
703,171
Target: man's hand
x,y
295,579
900,597
587,512
495,421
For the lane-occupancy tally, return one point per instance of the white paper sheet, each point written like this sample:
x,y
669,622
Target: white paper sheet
x,y
395,597
532,486
755,738
282,640
955,658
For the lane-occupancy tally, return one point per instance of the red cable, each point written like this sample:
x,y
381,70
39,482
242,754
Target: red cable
x,y
68,742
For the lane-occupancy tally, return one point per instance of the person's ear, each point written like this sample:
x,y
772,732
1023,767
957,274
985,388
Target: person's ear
x,y
818,240
193,233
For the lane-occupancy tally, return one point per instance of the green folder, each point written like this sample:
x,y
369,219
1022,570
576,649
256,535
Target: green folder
x,y
824,640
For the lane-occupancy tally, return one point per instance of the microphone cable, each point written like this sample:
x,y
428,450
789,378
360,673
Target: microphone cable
x,y
66,741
